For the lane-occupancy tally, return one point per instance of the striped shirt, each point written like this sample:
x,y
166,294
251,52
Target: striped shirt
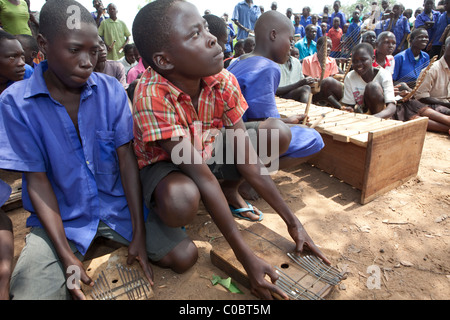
x,y
162,111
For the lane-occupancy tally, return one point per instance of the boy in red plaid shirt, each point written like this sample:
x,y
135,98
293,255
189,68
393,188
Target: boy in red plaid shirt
x,y
180,104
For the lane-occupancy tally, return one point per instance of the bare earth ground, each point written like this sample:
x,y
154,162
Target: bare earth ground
x,y
405,233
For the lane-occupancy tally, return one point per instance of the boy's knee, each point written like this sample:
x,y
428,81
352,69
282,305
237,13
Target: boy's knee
x,y
178,203
5,222
283,133
374,90
181,258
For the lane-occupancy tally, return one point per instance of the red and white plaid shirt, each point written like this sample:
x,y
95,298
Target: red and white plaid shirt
x,y
161,111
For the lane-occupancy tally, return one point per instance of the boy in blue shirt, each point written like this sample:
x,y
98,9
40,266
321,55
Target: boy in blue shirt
x,y
353,33
410,62
70,131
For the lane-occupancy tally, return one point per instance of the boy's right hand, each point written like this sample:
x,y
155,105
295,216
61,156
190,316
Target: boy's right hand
x,y
73,263
257,269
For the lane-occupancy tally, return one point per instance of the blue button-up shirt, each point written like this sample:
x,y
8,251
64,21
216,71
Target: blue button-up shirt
x,y
304,50
341,17
442,23
247,16
38,135
407,68
400,28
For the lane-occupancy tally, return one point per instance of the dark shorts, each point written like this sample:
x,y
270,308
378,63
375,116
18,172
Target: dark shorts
x,y
166,238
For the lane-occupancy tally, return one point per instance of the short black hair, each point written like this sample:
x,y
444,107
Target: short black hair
x,y
29,40
128,47
6,35
216,25
152,27
415,32
363,46
57,15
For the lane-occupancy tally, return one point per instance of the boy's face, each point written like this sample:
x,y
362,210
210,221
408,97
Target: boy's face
x,y
421,40
102,51
194,51
311,33
362,62
112,11
387,45
355,16
129,56
336,23
72,55
12,60
370,37
283,43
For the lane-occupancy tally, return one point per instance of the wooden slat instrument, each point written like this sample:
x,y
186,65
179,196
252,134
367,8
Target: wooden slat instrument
x,y
419,80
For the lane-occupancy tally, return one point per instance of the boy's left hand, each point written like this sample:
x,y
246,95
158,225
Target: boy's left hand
x,y
137,251
302,240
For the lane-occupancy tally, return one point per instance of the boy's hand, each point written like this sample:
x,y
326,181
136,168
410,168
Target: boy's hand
x,y
295,119
302,239
75,288
257,269
137,251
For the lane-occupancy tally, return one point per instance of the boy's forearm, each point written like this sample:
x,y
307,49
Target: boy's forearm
x,y
46,207
129,173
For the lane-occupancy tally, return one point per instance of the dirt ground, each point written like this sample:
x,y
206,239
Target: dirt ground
x,y
405,233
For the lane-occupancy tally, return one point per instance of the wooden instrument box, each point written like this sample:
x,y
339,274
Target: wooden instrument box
x,y
371,154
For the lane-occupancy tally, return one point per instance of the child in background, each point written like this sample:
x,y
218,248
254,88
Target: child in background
x,y
368,89
312,67
128,60
335,34
385,46
258,74
399,26
186,83
12,62
81,180
353,33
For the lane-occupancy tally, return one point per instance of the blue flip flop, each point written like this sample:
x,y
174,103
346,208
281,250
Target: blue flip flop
x,y
237,212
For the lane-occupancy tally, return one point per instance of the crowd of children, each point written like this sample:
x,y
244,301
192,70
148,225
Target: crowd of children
x,y
122,140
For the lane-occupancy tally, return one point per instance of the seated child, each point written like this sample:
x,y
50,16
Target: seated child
x,y
258,74
433,92
293,85
410,62
12,63
69,130
312,67
6,243
366,88
181,103
112,68
385,46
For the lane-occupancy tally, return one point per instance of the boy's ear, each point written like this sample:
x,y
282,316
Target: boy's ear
x,y
273,34
42,43
162,61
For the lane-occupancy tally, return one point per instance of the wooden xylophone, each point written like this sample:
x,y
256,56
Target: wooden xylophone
x,y
371,154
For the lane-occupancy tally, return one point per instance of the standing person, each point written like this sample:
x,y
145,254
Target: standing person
x,y
428,19
305,17
14,17
335,34
354,30
410,62
6,243
442,23
100,12
307,46
399,26
81,179
186,82
314,22
299,29
244,16
115,33
339,14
